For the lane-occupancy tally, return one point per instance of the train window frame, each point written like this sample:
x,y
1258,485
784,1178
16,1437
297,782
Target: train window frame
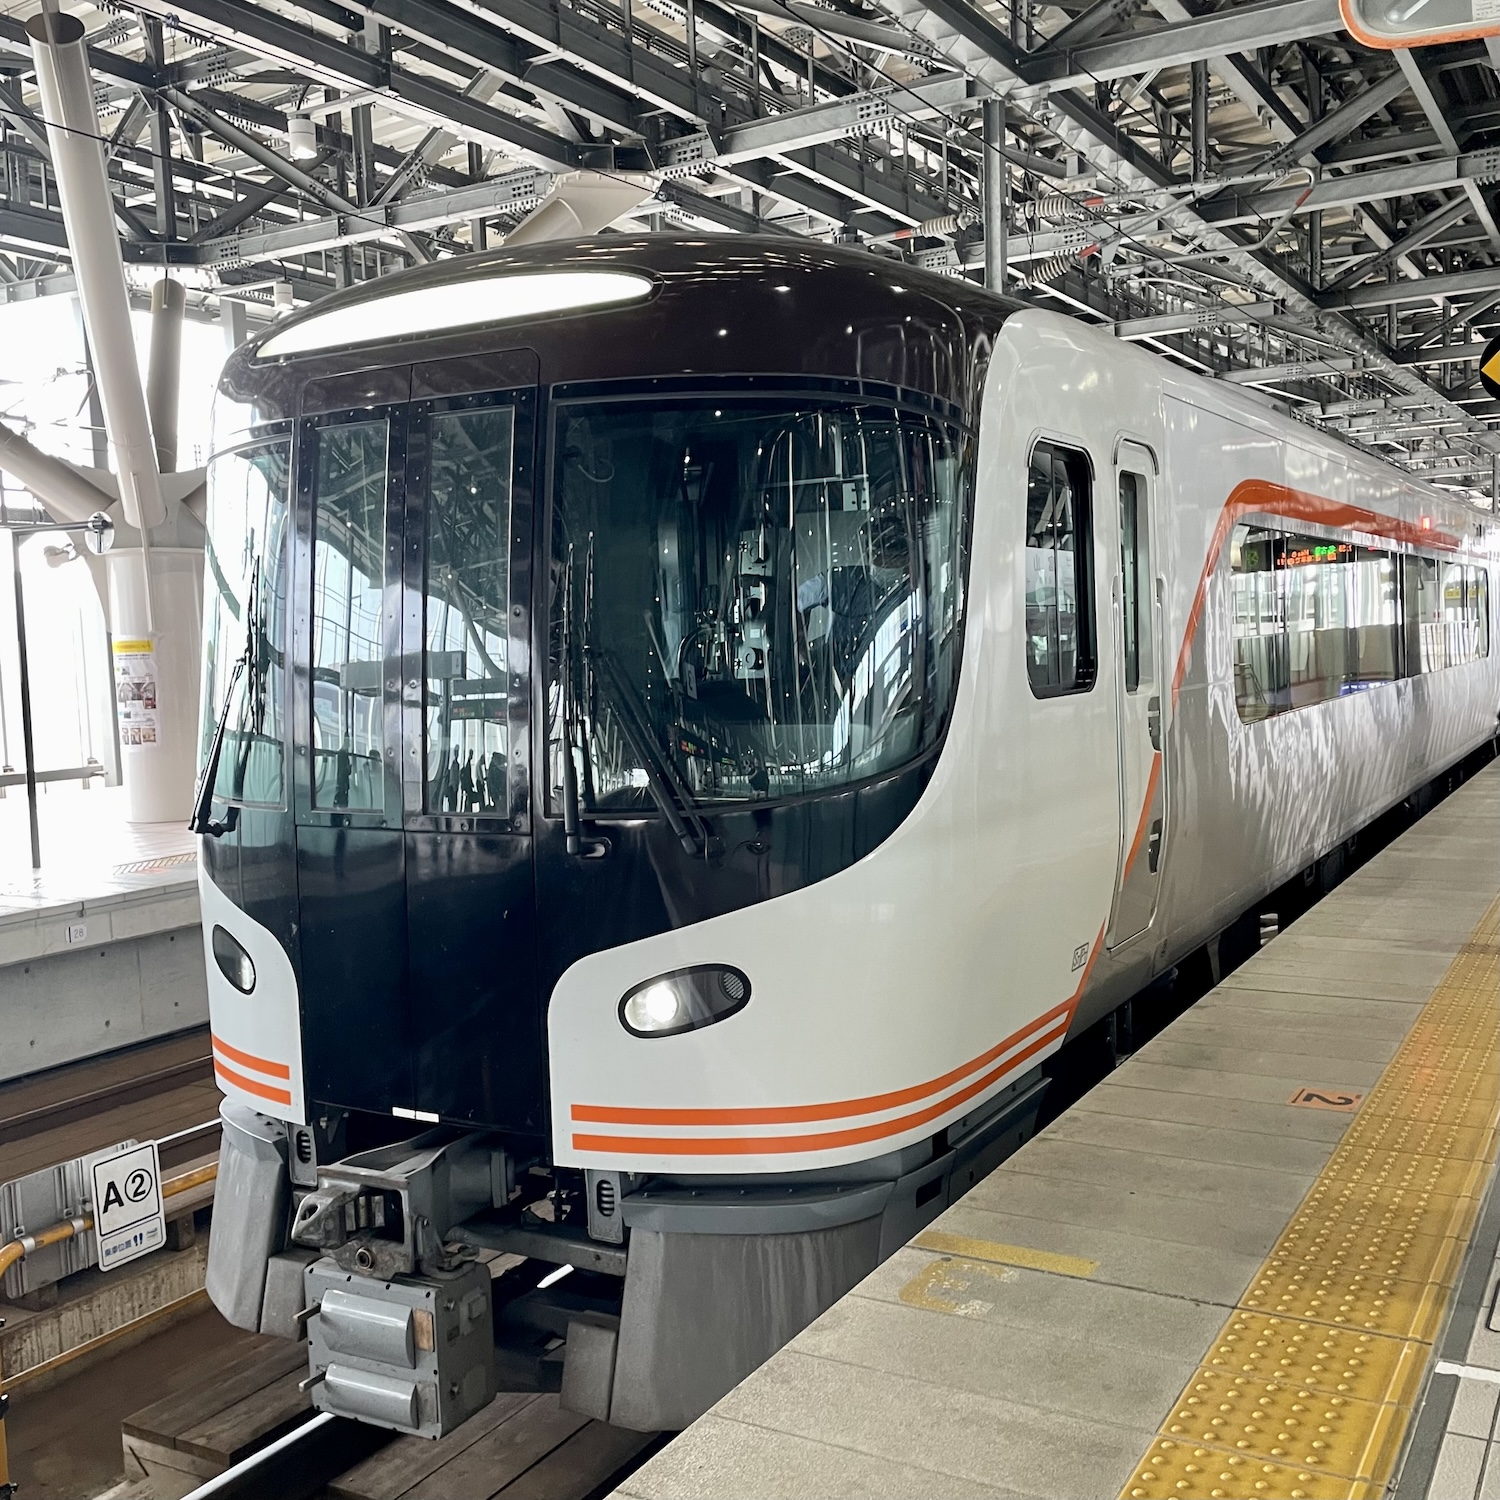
x,y
310,431
1086,651
513,815
212,696
759,387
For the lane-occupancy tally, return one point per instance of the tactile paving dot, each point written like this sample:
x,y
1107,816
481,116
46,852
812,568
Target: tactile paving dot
x,y
1286,1424
1337,1361
1378,1304
1188,1471
1424,1138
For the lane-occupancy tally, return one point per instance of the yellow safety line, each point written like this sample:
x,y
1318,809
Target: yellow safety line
x,y
1311,1384
1004,1255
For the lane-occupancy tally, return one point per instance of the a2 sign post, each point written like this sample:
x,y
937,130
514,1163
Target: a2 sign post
x,y
129,1215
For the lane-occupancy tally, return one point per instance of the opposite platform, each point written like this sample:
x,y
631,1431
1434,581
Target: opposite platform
x,y
100,948
1188,1285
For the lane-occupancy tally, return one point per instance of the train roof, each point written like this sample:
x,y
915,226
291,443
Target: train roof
x,y
702,306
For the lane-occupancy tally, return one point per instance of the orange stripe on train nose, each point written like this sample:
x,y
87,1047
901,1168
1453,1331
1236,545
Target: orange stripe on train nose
x,y
249,1060
252,1085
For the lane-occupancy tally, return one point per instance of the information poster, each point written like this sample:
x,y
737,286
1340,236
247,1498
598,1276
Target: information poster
x,y
135,692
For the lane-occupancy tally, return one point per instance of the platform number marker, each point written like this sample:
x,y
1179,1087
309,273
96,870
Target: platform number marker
x,y
128,1216
1340,1099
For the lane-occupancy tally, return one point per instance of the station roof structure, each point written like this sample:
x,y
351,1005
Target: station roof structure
x,y
1249,189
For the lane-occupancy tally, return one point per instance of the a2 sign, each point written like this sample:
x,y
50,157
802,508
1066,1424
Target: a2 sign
x,y
129,1217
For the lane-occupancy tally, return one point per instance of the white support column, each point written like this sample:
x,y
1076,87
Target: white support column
x,y
996,202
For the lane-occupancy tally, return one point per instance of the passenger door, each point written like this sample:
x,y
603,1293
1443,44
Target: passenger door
x,y
475,1021
1140,694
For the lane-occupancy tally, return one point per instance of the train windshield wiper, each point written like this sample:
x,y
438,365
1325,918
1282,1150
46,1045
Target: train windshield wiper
x,y
672,798
203,801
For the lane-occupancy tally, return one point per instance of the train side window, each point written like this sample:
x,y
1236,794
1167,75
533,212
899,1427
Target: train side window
x,y
1425,649
1374,616
1135,576
1059,583
348,586
1479,610
1261,666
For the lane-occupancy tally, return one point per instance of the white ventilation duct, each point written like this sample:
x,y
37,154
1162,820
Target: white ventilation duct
x,y
62,75
580,203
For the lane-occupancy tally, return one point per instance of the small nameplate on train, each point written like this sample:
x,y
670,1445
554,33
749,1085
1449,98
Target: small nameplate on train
x,y
1340,1099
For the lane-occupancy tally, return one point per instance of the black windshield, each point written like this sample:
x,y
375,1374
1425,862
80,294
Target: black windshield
x,y
778,581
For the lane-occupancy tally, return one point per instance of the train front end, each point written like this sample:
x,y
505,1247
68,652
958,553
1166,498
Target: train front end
x,y
583,631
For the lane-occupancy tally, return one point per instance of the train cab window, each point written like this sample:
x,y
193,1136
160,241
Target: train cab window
x,y
468,608
1135,576
759,594
1059,586
245,617
347,588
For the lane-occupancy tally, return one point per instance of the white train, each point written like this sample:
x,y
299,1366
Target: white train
x,y
717,716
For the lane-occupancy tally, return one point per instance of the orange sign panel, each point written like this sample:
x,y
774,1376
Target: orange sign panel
x,y
1340,1099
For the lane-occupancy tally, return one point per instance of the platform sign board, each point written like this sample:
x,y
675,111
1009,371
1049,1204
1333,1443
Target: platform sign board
x,y
128,1213
1419,23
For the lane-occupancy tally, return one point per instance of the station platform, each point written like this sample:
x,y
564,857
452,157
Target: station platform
x,y
1255,1261
100,948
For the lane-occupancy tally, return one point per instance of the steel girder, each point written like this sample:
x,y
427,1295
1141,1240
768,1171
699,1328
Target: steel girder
x,y
971,40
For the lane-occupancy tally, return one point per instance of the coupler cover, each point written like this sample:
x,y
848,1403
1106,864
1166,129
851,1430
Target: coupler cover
x,y
416,1353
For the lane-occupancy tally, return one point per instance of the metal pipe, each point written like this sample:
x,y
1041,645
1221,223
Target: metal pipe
x,y
28,744
62,489
66,90
164,370
996,192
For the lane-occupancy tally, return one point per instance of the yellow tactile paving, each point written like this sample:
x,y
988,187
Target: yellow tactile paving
x,y
1310,1386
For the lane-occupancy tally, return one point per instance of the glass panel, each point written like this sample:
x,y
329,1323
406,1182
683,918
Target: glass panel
x,y
1135,576
246,566
348,743
1425,650
1317,616
1260,645
760,596
468,609
1059,646
1479,606
1374,619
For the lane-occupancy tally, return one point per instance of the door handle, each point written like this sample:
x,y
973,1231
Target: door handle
x,y
1153,720
1153,846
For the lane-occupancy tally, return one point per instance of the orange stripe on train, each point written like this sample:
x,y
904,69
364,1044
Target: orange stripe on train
x,y
250,1060
251,1085
829,1140
795,1114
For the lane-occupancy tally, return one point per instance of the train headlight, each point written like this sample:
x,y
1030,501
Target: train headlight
x,y
453,305
684,1000
234,963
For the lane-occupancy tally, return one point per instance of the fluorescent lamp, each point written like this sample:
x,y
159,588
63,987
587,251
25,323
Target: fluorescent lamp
x,y
456,304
